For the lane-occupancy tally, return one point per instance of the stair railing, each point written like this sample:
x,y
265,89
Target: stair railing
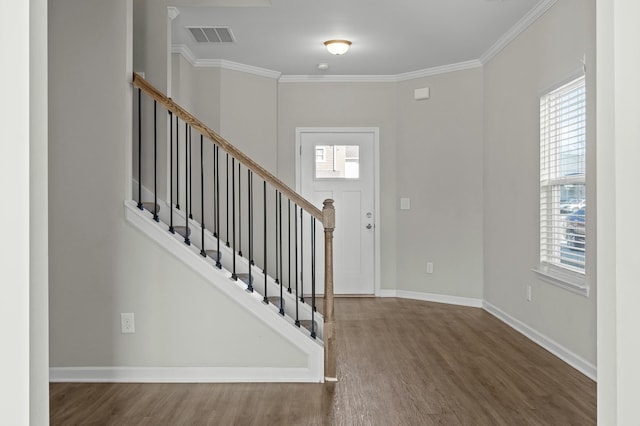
x,y
220,180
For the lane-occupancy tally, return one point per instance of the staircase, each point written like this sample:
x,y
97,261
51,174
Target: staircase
x,y
235,223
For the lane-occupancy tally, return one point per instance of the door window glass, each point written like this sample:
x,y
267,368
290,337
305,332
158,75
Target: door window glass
x,y
337,162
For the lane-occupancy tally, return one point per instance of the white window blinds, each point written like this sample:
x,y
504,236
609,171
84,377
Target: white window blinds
x,y
562,177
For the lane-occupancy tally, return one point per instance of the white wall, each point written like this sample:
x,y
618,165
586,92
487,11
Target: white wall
x,y
618,227
38,222
429,151
14,305
439,167
151,56
24,391
151,42
248,115
547,53
197,90
100,266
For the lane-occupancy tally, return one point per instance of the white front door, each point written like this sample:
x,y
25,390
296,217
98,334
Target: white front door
x,y
339,164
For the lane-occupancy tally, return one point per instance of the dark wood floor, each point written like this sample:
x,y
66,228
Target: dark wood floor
x,y
400,362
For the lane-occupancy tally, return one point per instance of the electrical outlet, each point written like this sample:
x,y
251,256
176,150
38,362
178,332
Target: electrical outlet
x,y
429,267
528,293
127,323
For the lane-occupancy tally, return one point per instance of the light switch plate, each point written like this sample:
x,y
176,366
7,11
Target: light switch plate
x,y
405,203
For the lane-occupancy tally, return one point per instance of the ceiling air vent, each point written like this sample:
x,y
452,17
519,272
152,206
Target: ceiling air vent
x,y
211,34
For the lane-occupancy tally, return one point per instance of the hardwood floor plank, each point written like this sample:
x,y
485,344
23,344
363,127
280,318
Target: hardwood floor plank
x,y
400,362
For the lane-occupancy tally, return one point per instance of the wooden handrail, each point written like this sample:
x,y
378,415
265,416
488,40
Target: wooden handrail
x,y
256,168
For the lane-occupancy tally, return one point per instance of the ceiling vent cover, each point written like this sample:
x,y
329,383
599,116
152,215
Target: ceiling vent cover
x,y
211,34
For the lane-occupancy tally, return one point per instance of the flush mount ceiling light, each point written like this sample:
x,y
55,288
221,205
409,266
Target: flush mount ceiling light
x,y
337,47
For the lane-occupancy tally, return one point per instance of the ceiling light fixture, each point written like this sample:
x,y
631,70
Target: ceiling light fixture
x,y
337,47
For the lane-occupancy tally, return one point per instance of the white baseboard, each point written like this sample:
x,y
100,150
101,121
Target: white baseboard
x,y
181,375
558,350
432,297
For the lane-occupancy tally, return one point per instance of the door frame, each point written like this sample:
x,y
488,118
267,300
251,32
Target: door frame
x,y
376,183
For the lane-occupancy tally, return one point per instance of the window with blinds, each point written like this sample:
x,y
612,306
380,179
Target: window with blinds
x,y
562,177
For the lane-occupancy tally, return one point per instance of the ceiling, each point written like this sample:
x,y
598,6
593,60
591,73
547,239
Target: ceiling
x,y
390,37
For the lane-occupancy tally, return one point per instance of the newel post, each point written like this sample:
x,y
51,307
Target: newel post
x,y
329,222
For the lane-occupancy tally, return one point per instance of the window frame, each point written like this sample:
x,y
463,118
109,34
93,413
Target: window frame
x,y
551,268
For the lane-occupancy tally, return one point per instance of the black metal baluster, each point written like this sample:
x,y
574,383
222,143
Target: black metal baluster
x,y
215,192
190,207
219,255
250,218
187,241
280,237
250,198
227,235
202,250
279,209
155,161
295,215
264,268
289,244
239,210
171,172
177,163
313,276
140,150
233,216
301,255
275,238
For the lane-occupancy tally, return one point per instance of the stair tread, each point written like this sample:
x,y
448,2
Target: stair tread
x,y
307,324
276,301
181,230
149,206
214,254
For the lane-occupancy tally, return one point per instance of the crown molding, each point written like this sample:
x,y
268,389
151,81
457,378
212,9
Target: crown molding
x,y
184,50
337,79
186,53
459,66
222,63
173,12
229,65
524,23
532,16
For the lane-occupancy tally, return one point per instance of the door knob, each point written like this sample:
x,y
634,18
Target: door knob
x,y
369,226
